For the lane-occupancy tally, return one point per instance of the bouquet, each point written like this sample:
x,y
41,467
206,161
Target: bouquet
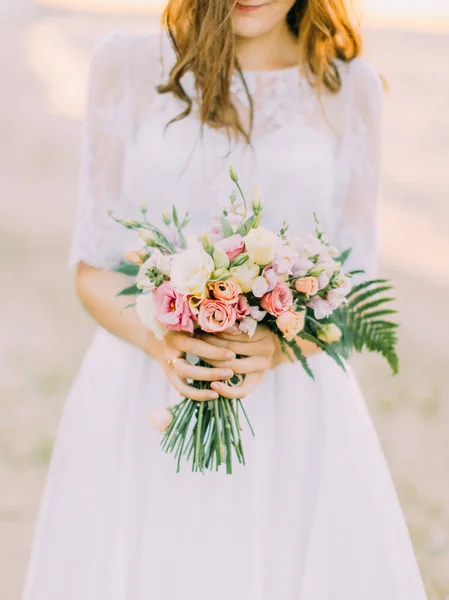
x,y
240,274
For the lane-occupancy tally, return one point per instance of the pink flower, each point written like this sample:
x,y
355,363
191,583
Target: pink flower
x,y
216,316
307,285
265,283
284,259
291,323
321,308
173,309
242,308
248,326
232,246
228,291
161,419
301,266
279,300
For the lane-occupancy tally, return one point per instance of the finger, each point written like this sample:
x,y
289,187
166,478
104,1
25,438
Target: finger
x,y
240,391
187,391
248,348
242,366
185,370
203,349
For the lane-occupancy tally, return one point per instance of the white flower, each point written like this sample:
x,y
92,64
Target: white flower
x,y
261,245
146,309
265,283
191,270
245,275
329,333
248,326
256,313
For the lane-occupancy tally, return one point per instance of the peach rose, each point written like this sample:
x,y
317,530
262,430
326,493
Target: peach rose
x,y
228,291
161,419
279,300
216,316
307,285
291,323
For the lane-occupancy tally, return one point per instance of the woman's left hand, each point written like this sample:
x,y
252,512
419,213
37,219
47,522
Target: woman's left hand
x,y
259,354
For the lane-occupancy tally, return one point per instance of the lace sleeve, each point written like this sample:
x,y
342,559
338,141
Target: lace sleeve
x,y
98,240
357,223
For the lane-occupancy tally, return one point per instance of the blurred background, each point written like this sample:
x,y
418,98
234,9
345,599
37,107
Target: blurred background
x,y
44,54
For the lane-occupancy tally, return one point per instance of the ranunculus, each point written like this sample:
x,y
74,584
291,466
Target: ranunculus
x,y
261,245
279,300
321,308
307,285
245,275
329,333
216,316
248,326
135,257
147,312
161,419
291,323
265,283
232,246
284,259
228,291
191,270
173,309
242,308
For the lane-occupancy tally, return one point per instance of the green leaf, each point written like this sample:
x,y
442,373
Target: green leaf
x,y
343,257
132,290
245,227
175,216
299,355
129,269
227,229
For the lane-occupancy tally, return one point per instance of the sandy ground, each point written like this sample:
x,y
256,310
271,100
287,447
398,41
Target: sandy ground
x,y
43,63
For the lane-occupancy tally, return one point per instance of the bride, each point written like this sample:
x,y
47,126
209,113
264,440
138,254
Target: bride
x,y
276,87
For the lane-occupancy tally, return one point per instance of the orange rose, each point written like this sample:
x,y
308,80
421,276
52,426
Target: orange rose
x,y
291,323
307,285
227,291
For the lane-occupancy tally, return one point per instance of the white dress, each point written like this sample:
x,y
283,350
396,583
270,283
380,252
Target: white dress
x,y
313,515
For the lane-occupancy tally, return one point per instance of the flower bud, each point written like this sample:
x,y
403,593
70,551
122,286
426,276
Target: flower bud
x,y
329,333
233,174
256,200
166,217
207,244
240,260
147,236
221,260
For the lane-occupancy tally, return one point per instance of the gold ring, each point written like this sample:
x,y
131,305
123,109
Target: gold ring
x,y
171,361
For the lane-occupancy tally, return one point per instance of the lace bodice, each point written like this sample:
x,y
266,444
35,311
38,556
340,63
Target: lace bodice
x,y
306,156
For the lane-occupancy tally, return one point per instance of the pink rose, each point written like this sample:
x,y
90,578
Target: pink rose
x,y
216,316
291,323
161,419
279,300
135,257
307,286
242,308
228,291
321,308
232,246
173,309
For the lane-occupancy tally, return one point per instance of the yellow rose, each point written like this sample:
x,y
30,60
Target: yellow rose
x,y
260,246
245,275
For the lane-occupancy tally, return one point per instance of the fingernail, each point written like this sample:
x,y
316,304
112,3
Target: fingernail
x,y
214,385
229,355
227,374
214,396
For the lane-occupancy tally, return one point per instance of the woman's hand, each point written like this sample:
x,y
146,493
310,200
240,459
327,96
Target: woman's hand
x,y
175,346
260,354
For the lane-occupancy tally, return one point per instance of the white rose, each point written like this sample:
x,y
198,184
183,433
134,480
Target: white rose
x,y
329,333
245,275
261,245
191,270
146,309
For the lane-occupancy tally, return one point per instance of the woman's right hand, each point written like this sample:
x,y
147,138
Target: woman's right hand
x,y
176,345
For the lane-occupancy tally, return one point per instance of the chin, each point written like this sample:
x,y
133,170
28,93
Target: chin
x,y
250,27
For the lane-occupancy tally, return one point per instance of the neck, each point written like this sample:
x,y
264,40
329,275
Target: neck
x,y
277,49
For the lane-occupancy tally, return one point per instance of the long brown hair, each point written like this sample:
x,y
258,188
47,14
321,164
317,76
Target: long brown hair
x,y
202,37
